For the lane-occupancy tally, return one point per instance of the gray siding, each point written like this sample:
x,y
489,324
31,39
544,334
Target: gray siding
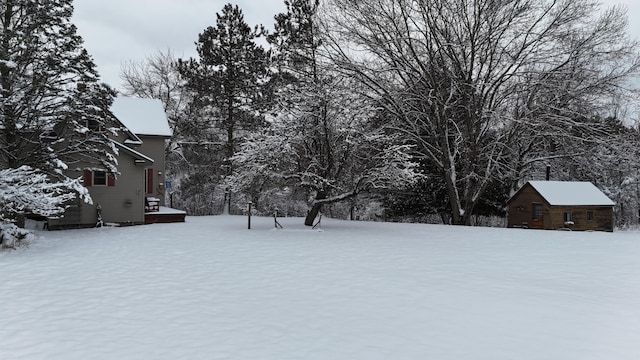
x,y
153,147
122,203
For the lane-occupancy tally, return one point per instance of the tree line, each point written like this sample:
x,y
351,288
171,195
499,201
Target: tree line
x,y
400,109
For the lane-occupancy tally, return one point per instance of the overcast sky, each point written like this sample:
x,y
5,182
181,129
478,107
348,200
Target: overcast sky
x,y
117,31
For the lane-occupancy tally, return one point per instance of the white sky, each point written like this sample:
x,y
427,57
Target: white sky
x,y
117,31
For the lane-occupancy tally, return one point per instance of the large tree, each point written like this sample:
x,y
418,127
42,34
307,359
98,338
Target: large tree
x,y
228,76
228,81
322,140
465,79
53,112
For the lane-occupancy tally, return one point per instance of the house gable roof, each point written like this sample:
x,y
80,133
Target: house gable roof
x,y
142,116
569,193
139,158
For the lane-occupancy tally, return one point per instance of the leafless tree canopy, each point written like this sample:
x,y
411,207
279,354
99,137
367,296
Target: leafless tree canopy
x,y
466,79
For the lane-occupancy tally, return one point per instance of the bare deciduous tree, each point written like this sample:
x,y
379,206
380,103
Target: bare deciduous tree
x,y
466,78
157,77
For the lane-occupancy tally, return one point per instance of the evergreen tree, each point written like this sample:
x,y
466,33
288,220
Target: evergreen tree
x,y
53,112
228,81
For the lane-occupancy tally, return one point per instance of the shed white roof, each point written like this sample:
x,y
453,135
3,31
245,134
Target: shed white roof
x,y
571,193
142,116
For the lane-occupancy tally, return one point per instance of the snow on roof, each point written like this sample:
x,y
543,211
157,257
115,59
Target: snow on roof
x,y
142,116
138,156
571,193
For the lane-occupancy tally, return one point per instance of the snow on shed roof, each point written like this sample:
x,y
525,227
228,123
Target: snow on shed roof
x,y
571,193
142,116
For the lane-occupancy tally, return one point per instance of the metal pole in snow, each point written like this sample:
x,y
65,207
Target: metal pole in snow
x,y
249,217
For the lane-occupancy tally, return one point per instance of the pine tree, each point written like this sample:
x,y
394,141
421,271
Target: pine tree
x,y
53,112
228,81
229,73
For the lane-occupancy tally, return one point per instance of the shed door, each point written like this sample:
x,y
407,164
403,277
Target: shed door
x,y
537,221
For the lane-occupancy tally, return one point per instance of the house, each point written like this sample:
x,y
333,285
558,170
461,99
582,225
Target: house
x,y
560,205
136,195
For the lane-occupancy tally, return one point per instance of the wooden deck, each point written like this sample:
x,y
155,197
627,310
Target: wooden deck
x,y
164,215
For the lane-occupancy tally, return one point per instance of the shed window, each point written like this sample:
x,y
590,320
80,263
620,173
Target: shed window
x,y
589,215
537,211
567,216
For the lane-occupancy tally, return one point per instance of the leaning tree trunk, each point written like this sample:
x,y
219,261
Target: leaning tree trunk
x,y
315,209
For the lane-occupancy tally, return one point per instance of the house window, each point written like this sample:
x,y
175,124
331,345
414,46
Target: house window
x,y
94,126
590,215
100,178
567,217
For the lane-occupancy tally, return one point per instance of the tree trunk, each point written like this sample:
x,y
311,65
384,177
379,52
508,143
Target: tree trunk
x,y
315,209
313,213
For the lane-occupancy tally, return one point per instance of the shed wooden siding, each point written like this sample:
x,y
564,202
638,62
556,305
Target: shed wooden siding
x,y
520,213
602,218
520,210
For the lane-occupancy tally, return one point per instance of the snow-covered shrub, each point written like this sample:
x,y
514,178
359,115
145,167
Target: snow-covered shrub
x,y
27,190
11,236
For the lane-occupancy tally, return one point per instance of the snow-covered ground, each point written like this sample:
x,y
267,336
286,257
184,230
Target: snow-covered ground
x,y
211,289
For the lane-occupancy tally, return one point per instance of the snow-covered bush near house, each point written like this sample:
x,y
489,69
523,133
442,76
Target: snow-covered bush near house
x,y
30,190
27,190
211,289
11,235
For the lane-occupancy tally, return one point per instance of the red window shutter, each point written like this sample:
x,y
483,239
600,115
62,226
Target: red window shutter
x,y
149,181
88,178
111,180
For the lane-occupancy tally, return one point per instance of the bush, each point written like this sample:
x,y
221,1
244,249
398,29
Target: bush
x,y
12,236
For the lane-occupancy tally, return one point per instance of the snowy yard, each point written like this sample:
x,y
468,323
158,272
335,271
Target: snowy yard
x,y
211,289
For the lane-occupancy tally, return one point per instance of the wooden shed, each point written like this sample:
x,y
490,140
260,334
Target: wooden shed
x,y
560,205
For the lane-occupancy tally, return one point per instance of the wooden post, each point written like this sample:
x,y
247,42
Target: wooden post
x,y
317,225
249,217
275,221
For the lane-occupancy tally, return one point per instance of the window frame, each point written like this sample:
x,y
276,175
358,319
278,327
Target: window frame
x,y
536,210
94,126
104,175
567,217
